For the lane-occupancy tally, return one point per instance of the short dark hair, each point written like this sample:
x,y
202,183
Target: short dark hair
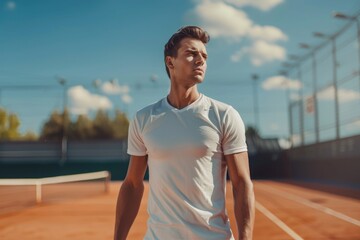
x,y
172,46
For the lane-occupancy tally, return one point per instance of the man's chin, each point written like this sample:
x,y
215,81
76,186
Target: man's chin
x,y
199,79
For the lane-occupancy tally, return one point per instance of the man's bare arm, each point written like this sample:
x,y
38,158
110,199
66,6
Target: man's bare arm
x,y
130,196
244,198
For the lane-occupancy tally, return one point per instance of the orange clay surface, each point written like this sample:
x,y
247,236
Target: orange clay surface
x,y
83,211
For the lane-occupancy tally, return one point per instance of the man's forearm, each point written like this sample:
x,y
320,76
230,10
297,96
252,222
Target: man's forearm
x,y
244,209
127,207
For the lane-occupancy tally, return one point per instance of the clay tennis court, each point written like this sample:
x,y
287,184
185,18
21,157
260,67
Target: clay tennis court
x,y
84,211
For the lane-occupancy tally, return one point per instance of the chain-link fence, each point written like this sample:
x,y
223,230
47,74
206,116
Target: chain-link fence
x,y
327,106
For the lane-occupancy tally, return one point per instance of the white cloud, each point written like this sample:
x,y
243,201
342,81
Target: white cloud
x,y
354,125
10,5
264,5
261,52
126,98
236,57
221,20
154,78
113,88
344,95
268,33
347,95
295,96
281,82
284,143
296,139
82,101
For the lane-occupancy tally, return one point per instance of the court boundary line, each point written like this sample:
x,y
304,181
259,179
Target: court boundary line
x,y
316,206
277,221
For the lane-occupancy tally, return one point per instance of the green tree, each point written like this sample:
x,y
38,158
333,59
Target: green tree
x,y
252,132
13,127
54,128
100,127
121,125
3,122
81,129
103,126
9,126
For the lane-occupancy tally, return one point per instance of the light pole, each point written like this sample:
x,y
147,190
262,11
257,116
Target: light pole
x,y
62,82
297,65
255,77
339,15
316,109
337,117
302,131
285,83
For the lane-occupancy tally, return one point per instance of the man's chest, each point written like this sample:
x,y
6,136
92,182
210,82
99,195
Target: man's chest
x,y
187,134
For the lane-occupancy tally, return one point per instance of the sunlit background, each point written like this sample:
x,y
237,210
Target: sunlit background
x,y
109,55
74,73
291,69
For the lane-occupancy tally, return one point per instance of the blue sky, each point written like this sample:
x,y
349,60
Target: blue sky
x,y
83,41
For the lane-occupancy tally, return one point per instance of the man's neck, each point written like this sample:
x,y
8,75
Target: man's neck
x,y
180,97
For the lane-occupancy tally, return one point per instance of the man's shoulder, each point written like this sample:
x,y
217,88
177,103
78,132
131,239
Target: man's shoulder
x,y
217,105
149,109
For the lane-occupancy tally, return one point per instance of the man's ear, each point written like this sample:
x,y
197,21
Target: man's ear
x,y
169,62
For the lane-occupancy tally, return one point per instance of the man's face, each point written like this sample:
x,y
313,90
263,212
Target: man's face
x,y
189,66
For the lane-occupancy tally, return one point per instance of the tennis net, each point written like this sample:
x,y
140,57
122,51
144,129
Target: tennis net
x,y
16,194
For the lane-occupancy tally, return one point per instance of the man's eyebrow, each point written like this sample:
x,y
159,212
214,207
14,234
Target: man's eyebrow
x,y
195,51
191,50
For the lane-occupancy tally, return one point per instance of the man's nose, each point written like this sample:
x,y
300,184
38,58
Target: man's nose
x,y
200,60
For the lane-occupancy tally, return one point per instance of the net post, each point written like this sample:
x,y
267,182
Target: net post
x,y
38,192
107,182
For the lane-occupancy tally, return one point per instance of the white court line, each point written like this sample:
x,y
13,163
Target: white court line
x,y
277,221
313,205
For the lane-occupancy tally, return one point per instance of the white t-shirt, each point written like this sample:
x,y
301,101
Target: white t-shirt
x,y
187,169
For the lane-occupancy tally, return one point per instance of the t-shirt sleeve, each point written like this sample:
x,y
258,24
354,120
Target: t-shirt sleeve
x,y
136,146
234,140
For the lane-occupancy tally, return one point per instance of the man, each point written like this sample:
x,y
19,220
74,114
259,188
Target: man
x,y
188,141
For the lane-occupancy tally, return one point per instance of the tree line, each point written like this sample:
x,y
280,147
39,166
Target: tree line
x,y
9,127
60,124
